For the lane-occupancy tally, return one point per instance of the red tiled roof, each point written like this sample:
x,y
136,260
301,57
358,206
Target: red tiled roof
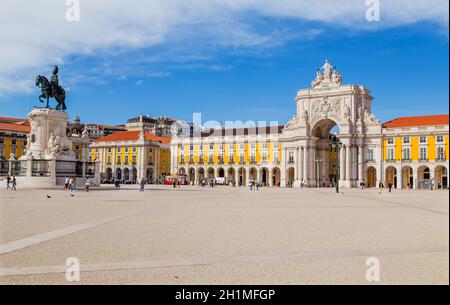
x,y
15,127
14,121
132,136
418,121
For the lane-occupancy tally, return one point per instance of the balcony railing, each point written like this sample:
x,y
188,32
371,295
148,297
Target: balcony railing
x,y
406,160
441,159
423,160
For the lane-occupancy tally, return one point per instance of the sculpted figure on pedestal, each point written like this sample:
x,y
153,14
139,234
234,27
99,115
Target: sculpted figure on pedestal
x,y
58,146
327,76
370,117
347,112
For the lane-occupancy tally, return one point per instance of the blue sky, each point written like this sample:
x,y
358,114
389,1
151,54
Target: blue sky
x,y
227,73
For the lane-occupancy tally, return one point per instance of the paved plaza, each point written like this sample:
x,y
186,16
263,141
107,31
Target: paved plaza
x,y
224,235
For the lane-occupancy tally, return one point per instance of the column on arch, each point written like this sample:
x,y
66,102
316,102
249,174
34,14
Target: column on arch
x,y
305,164
360,163
325,165
283,167
399,177
247,175
300,163
348,160
342,162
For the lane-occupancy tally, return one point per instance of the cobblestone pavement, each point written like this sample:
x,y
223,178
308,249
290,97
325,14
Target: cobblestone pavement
x,y
224,236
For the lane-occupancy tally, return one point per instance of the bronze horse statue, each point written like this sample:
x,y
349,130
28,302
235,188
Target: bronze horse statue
x,y
50,91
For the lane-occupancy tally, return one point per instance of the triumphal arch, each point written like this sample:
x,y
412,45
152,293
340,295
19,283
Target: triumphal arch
x,y
330,112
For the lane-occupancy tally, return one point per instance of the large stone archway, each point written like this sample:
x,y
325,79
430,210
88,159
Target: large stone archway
x,y
326,104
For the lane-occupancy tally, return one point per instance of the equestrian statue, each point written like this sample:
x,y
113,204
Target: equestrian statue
x,y
51,89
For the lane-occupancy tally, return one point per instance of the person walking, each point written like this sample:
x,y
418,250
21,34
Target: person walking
x,y
14,183
117,184
142,184
87,184
74,184
390,186
380,187
8,181
66,183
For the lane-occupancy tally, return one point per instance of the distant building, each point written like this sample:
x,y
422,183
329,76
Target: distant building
x,y
158,126
95,130
110,129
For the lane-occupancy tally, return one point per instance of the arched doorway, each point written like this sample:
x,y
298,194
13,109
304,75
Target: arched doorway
x,y
290,176
134,175
201,174
371,177
264,176
253,174
118,173
440,174
276,177
325,168
191,175
211,174
231,175
424,177
407,177
221,173
109,175
126,174
182,171
391,176
150,177
242,179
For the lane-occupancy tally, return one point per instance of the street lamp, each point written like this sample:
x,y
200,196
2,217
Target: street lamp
x,y
336,146
318,162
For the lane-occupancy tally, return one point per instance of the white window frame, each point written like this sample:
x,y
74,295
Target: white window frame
x,y
391,154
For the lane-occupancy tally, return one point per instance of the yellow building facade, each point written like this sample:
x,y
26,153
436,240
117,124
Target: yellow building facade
x,y
129,156
13,137
416,152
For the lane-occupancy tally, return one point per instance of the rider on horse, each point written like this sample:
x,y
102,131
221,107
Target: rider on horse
x,y
52,89
55,82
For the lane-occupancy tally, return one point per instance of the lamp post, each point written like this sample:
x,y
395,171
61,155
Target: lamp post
x,y
336,146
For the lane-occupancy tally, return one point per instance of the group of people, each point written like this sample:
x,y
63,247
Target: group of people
x,y
255,185
362,184
11,182
70,184
208,182
381,187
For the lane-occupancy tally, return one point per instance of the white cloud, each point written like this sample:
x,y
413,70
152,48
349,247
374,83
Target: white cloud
x,y
35,34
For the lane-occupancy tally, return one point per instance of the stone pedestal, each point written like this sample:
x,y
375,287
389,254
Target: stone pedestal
x,y
48,138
